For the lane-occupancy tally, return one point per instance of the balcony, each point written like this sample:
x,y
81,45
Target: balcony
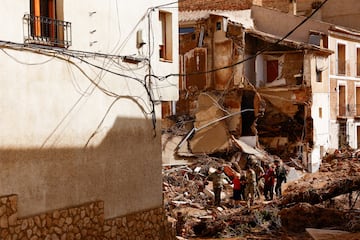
x,y
46,31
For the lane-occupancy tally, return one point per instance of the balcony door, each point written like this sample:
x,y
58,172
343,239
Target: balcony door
x,y
44,13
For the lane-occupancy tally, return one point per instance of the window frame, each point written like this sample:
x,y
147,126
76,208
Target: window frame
x,y
341,63
44,25
166,41
358,61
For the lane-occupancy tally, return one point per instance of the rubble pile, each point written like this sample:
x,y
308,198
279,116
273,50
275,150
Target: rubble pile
x,y
339,174
328,198
188,202
304,215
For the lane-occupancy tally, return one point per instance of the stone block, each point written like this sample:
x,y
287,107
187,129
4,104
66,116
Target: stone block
x,y
4,222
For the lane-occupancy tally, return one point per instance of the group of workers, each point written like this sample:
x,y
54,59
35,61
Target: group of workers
x,y
246,186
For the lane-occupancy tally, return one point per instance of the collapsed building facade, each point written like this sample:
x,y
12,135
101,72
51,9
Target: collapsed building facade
x,y
210,90
241,81
334,79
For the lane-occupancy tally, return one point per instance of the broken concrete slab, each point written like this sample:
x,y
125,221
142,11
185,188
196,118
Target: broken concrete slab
x,y
246,148
211,135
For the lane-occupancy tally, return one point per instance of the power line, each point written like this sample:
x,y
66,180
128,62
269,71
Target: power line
x,y
253,56
170,3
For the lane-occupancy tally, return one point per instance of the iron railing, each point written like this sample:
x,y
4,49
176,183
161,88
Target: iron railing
x,y
46,31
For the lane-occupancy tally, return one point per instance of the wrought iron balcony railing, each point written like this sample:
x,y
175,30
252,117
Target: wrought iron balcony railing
x,y
46,31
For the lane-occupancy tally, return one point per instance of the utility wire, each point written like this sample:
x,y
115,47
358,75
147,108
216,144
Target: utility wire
x,y
253,56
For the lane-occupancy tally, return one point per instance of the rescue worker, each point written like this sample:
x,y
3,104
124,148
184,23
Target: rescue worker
x,y
280,173
217,179
250,186
259,171
269,181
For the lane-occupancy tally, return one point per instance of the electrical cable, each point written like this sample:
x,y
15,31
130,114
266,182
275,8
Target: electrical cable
x,y
24,63
167,4
255,55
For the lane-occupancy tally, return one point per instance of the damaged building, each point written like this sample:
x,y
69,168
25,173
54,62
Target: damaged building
x,y
252,85
333,77
218,97
291,77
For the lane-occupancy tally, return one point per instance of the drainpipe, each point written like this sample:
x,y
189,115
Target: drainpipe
x,y
149,48
306,145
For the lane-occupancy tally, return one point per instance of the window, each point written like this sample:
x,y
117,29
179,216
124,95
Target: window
x,y
358,62
341,59
358,136
272,70
44,24
342,100
218,26
166,50
315,39
342,134
320,112
44,11
186,30
318,39
318,76
357,101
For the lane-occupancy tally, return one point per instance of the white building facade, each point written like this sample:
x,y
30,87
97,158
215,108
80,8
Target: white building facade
x,y
80,106
345,87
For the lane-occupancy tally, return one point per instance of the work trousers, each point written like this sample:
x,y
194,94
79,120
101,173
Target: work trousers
x,y
278,191
269,191
217,193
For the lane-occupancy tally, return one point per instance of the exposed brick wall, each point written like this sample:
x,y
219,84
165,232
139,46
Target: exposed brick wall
x,y
82,222
193,5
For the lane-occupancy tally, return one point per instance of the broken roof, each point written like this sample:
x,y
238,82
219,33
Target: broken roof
x,y
286,42
242,17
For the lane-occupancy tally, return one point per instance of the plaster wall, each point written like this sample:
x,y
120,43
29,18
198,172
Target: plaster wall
x,y
76,130
343,13
320,108
350,56
280,24
61,146
334,134
350,81
109,28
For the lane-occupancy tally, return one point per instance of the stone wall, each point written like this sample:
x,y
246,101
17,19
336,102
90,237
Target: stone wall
x,y
81,222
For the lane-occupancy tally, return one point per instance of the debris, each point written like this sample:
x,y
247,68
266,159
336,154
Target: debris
x,y
305,215
339,176
325,234
326,199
